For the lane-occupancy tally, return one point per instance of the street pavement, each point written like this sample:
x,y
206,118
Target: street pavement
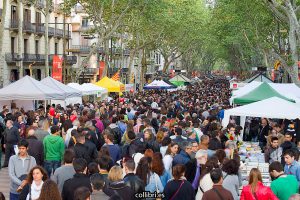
x,y
4,181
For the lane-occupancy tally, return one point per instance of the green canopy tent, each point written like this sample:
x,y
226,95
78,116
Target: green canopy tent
x,y
180,80
264,91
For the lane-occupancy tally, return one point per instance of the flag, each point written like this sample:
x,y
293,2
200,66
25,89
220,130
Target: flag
x,y
132,78
116,76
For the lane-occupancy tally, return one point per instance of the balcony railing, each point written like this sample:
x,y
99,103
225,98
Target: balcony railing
x,y
39,29
37,58
115,51
14,24
51,31
28,27
59,32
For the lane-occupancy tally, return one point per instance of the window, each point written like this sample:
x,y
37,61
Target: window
x,y
56,48
14,16
12,45
38,18
36,47
27,16
25,46
84,22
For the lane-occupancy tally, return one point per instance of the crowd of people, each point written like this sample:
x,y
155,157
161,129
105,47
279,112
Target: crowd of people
x,y
146,145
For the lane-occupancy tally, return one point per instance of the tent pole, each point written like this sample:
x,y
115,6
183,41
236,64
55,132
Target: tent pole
x,y
45,107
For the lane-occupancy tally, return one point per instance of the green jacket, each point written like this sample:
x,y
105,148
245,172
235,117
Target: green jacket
x,y
54,148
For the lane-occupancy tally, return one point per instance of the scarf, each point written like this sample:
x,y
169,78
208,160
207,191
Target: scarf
x,y
35,191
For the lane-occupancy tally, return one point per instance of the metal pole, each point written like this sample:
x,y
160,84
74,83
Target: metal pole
x,y
64,49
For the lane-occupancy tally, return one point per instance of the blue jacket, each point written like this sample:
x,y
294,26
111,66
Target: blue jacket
x,y
293,169
154,184
165,177
181,158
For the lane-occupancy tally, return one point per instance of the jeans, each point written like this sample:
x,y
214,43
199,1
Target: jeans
x,y
50,165
13,196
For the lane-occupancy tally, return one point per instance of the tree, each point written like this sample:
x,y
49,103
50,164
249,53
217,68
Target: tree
x,y
183,26
287,11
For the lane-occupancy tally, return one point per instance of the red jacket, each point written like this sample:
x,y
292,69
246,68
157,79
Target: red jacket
x,y
262,193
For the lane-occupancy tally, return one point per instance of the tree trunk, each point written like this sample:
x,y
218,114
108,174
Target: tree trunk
x,y
106,58
293,70
20,37
131,59
140,58
143,70
2,59
166,63
46,38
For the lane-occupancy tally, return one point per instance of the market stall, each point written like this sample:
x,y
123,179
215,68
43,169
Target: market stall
x,y
269,108
24,91
72,95
158,85
263,91
110,85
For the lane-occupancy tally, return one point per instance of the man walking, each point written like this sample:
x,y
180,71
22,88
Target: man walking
x,y
18,168
54,148
11,138
283,186
66,171
218,191
292,167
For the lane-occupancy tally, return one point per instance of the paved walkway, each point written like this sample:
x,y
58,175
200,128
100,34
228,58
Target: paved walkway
x,y
4,181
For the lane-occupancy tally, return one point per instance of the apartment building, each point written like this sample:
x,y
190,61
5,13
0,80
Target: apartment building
x,y
32,42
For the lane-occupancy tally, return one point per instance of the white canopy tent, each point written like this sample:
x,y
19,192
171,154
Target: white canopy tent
x,y
289,90
66,90
72,95
158,85
89,89
95,90
24,91
28,88
270,108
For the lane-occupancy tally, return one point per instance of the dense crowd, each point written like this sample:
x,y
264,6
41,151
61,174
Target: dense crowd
x,y
146,145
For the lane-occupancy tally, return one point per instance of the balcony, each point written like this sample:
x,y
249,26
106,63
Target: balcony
x,y
51,31
12,58
86,49
28,27
90,71
70,59
39,29
14,24
59,33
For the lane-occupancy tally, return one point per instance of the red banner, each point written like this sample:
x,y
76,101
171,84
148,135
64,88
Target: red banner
x,y
57,68
101,68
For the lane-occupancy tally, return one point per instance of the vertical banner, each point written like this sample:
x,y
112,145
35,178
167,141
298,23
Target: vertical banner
x,y
273,75
57,68
101,68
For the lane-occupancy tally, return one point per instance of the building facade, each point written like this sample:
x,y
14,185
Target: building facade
x,y
29,49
